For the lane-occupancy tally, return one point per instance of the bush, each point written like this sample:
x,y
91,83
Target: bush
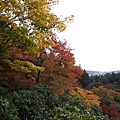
x,y
74,108
66,112
8,110
72,101
39,103
34,104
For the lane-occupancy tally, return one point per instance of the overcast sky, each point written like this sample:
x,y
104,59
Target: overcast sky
x,y
95,32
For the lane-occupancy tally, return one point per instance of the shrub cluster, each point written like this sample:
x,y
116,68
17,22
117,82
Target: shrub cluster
x,y
40,103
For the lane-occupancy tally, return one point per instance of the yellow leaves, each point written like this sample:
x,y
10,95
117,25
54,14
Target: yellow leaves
x,y
69,19
30,25
60,23
16,66
53,2
42,40
31,66
104,94
24,66
2,6
37,9
48,43
89,97
36,17
72,92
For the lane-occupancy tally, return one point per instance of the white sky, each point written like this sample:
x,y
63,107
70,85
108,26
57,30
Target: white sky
x,y
95,32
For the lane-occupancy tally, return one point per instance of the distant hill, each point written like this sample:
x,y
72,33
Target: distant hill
x,y
91,72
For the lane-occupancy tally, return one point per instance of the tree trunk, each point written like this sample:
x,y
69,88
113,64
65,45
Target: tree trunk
x,y
38,78
40,63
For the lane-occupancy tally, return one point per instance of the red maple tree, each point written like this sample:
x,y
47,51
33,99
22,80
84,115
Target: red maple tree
x,y
60,69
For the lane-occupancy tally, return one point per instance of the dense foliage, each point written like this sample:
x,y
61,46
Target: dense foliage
x,y
40,103
106,86
8,111
38,76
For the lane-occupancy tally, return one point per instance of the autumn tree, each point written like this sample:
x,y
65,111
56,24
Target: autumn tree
x,y
104,94
60,69
26,27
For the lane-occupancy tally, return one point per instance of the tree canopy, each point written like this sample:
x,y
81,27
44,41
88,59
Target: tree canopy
x,y
26,26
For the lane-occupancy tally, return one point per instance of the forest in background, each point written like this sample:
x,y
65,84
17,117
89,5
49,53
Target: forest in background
x,y
38,76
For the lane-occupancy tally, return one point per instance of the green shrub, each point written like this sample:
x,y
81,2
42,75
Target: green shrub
x,y
39,103
66,112
72,101
34,104
74,108
8,110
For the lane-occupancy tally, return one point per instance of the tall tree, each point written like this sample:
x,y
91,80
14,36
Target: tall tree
x,y
26,26
85,79
60,69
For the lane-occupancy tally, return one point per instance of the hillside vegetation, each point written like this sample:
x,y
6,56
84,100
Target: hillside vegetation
x,y
38,76
107,87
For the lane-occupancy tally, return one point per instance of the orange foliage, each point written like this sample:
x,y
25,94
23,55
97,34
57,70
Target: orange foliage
x,y
58,61
89,97
60,69
21,55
